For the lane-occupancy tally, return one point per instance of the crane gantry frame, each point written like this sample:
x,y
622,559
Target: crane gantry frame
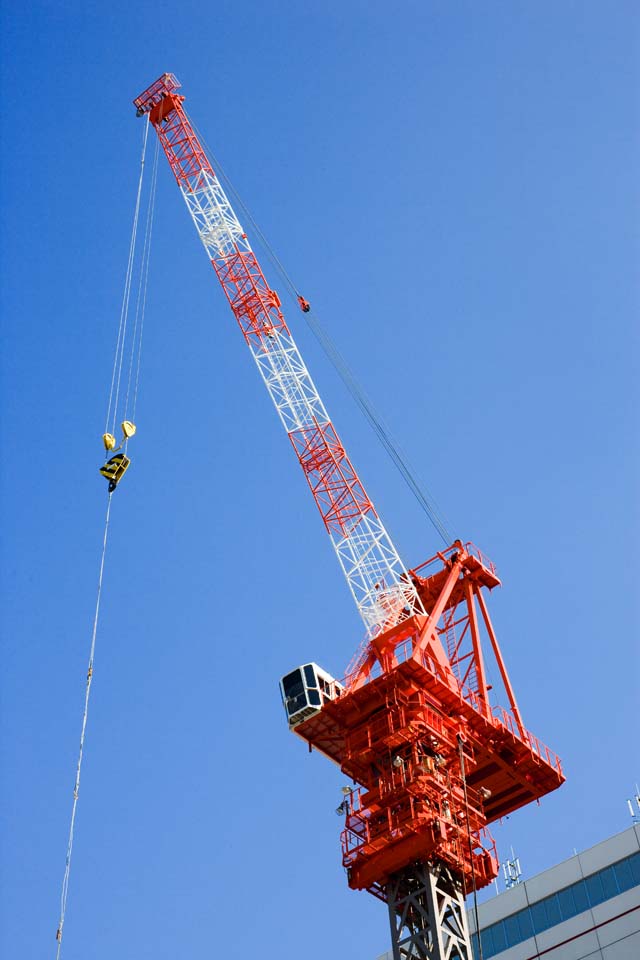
x,y
412,725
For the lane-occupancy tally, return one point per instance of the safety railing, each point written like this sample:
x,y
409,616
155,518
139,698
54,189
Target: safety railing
x,y
473,699
469,547
404,650
483,558
536,746
363,828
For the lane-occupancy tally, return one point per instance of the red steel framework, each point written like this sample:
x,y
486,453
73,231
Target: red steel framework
x,y
412,715
334,483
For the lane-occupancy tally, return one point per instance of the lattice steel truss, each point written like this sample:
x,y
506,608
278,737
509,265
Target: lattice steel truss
x,y
427,914
376,575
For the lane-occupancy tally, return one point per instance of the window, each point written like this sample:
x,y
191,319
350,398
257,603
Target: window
x,y
474,946
525,923
624,875
295,704
292,684
539,916
609,883
512,929
580,897
567,903
499,937
487,942
594,889
560,906
553,911
310,676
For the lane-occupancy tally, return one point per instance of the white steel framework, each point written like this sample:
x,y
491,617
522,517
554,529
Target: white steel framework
x,y
371,564
376,575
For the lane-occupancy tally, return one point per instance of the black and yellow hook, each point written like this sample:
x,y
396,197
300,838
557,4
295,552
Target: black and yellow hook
x,y
115,468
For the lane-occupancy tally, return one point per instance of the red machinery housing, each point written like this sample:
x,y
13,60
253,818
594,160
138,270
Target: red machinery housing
x,y
413,726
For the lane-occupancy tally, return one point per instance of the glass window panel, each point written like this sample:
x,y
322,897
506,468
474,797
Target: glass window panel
x,y
526,926
310,676
624,875
567,903
292,684
635,867
294,704
474,946
594,889
314,698
512,930
553,910
539,916
580,897
609,883
487,942
499,938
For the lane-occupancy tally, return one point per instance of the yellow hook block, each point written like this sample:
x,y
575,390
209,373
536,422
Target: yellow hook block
x,y
115,469
128,429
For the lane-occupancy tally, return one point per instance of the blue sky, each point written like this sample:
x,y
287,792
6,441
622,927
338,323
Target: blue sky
x,y
454,187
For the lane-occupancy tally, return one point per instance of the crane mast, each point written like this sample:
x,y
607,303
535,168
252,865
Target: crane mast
x,y
431,761
371,564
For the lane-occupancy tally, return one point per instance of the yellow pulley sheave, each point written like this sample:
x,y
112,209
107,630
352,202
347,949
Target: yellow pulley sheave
x,y
128,430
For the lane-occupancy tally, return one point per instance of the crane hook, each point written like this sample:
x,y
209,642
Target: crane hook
x,y
115,468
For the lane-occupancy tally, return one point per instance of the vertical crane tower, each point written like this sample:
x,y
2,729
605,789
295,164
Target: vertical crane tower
x,y
431,761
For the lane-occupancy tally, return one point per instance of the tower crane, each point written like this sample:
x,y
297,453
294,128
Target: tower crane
x,y
431,761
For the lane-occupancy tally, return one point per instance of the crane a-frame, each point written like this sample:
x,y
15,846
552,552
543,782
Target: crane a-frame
x,y
431,761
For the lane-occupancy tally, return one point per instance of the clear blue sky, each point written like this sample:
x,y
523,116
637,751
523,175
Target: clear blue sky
x,y
454,186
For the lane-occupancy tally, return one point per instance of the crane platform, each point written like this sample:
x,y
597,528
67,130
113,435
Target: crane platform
x,y
408,719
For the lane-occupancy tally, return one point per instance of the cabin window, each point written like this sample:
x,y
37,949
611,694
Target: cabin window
x,y
294,692
292,684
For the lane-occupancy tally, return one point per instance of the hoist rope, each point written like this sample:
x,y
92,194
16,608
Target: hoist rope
x,y
473,872
124,310
112,410
141,298
76,788
381,430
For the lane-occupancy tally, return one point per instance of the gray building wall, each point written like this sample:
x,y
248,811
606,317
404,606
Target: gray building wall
x,y
609,930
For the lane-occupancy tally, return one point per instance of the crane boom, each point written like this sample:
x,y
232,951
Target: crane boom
x,y
375,574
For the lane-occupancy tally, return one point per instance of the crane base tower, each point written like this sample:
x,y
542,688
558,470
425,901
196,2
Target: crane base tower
x,y
427,914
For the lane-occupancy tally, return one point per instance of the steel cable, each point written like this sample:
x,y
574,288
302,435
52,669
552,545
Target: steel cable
x,y
473,872
381,430
112,407
124,310
141,298
76,788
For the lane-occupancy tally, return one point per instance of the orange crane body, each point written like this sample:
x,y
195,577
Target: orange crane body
x,y
397,727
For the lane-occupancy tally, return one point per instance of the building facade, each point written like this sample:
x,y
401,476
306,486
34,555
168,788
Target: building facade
x,y
585,908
